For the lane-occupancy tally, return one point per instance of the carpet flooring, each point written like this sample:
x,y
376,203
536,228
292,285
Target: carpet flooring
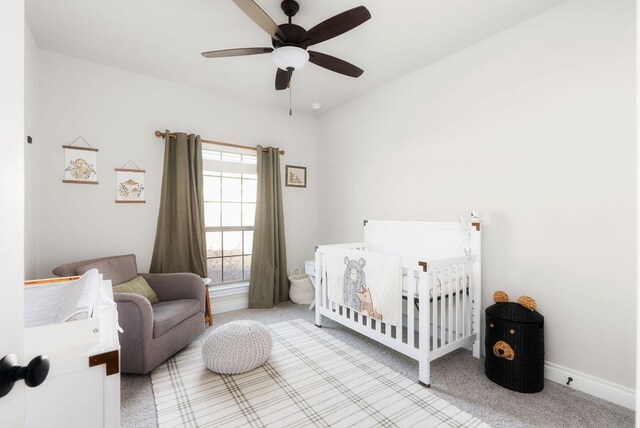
x,y
457,378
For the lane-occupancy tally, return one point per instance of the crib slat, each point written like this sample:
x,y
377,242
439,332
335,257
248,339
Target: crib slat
x,y
457,303
325,288
434,299
453,297
443,311
423,327
444,301
450,299
465,307
469,295
463,294
472,320
411,282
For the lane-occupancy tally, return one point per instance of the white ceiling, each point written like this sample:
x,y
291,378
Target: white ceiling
x,y
164,38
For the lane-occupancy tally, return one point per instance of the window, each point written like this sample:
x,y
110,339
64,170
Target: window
x,y
230,185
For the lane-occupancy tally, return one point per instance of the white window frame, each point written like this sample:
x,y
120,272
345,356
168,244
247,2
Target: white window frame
x,y
230,167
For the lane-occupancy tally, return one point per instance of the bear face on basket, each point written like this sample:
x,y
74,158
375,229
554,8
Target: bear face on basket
x,y
514,344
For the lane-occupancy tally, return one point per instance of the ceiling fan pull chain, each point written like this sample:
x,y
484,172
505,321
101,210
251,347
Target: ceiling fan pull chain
x,y
290,73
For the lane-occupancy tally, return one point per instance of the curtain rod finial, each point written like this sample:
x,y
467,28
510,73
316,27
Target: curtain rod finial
x,y
159,134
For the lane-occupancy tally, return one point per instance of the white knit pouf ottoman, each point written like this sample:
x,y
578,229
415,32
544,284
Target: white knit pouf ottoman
x,y
237,347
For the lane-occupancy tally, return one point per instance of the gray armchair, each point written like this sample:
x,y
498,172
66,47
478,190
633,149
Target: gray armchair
x,y
152,333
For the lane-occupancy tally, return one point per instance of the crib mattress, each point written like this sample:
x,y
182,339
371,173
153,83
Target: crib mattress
x,y
441,287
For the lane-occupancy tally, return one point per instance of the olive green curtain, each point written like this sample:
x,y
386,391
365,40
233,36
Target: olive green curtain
x,y
269,284
180,236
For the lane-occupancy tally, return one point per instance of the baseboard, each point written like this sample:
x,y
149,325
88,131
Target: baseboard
x,y
591,385
229,299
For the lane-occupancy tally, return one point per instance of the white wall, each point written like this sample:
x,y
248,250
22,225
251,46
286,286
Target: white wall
x,y
12,46
30,154
117,112
535,127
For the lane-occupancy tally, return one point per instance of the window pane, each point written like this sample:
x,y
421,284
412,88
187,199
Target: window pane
x,y
211,154
232,269
248,214
231,157
249,188
231,174
230,214
214,244
247,267
232,243
212,214
231,189
250,176
249,159
214,270
211,188
248,241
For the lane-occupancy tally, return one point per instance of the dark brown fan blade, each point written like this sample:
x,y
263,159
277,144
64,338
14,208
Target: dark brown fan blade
x,y
283,77
334,64
261,18
236,52
339,24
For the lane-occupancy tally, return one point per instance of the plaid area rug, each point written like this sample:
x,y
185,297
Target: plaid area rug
x,y
311,379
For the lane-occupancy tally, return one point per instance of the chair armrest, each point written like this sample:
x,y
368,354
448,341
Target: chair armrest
x,y
135,316
175,286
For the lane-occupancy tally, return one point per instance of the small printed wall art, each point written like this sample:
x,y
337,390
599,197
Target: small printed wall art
x,y
296,176
80,164
129,185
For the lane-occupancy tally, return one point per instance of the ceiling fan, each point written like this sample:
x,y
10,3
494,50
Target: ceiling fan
x,y
290,41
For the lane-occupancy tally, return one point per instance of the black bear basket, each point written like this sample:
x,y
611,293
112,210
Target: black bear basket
x,y
514,342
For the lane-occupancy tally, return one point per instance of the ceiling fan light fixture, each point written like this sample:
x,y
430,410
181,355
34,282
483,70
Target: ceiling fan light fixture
x,y
290,57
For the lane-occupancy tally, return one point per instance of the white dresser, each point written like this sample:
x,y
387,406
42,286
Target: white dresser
x,y
83,386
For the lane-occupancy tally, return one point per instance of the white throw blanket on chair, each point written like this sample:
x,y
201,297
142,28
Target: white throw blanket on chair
x,y
369,283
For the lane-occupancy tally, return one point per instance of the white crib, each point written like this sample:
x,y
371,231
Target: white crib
x,y
441,271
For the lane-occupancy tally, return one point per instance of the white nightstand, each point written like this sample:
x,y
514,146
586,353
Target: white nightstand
x,y
310,268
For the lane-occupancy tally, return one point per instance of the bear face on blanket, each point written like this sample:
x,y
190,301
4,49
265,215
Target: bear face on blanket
x,y
354,280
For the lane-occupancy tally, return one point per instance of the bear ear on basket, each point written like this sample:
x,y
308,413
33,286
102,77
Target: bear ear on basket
x,y
527,302
500,297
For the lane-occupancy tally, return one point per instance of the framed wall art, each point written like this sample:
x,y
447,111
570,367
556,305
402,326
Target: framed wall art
x,y
129,185
296,176
80,164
